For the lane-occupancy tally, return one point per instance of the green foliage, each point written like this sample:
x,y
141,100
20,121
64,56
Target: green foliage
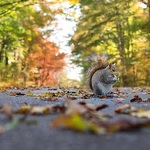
x,y
120,30
24,42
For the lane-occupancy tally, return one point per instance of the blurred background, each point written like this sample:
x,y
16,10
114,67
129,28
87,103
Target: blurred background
x,y
48,42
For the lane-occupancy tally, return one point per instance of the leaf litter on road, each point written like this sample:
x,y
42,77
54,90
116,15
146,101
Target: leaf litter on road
x,y
13,120
101,123
81,116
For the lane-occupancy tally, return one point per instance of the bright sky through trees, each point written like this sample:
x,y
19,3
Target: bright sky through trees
x,y
65,26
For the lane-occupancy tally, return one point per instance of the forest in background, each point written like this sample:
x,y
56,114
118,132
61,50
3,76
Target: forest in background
x,y
120,29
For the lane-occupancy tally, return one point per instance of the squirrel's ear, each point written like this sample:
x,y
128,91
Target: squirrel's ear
x,y
110,66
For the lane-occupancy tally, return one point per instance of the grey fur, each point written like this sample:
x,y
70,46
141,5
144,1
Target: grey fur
x,y
102,81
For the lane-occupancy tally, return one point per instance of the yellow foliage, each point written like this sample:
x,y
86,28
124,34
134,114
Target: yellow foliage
x,y
73,2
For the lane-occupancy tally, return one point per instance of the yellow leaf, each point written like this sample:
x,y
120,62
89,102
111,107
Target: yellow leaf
x,y
24,109
34,110
29,38
141,114
75,122
29,93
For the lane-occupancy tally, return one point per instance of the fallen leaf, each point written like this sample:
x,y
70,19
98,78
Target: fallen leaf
x,y
77,123
125,109
124,124
86,96
24,109
29,93
12,94
122,94
48,96
91,107
141,113
53,98
72,98
119,100
38,110
34,110
136,99
16,93
102,96
74,108
133,91
60,109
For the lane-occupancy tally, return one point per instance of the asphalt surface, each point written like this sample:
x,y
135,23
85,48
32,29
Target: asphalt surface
x,y
41,136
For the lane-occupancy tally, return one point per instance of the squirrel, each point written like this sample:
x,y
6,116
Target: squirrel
x,y
102,76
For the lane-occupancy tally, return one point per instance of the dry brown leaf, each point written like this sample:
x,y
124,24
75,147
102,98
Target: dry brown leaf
x,y
12,94
86,96
81,107
125,109
72,98
16,93
136,98
91,107
122,95
38,110
59,109
102,96
124,124
74,108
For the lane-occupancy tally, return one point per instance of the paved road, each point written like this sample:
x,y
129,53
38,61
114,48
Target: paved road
x,y
42,137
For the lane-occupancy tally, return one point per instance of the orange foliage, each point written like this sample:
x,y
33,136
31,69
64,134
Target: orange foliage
x,y
47,63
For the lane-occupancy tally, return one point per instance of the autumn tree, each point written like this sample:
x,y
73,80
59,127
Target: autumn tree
x,y
113,28
47,63
25,45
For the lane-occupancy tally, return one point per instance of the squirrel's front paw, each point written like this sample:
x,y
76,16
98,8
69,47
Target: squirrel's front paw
x,y
115,79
